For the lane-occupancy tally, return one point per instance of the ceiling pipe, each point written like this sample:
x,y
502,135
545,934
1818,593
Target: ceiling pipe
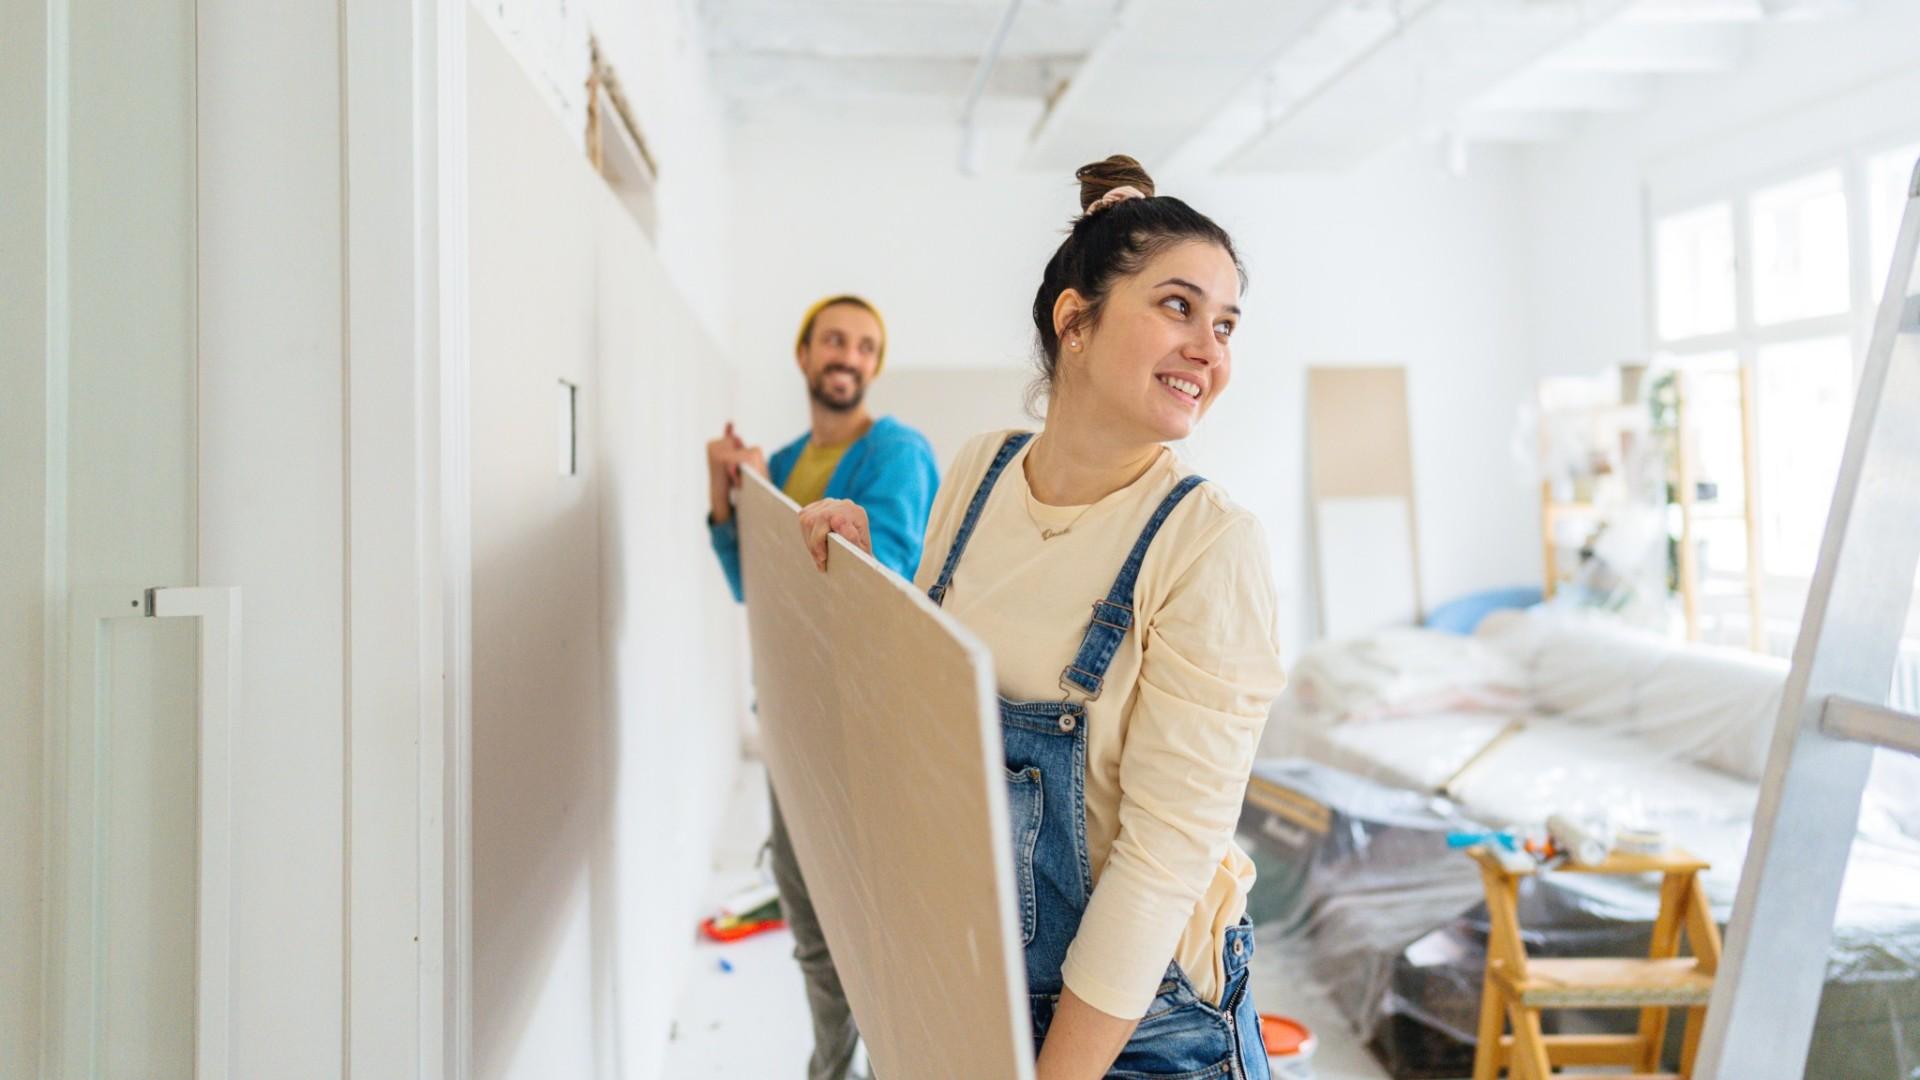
x,y
969,142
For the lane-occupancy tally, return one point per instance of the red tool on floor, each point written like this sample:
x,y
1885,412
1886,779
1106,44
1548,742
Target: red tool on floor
x,y
721,931
755,910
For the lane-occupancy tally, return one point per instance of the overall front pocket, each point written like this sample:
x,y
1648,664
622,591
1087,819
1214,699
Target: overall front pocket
x,y
1024,809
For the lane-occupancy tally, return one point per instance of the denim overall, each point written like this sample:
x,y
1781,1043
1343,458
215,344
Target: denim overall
x,y
1180,1036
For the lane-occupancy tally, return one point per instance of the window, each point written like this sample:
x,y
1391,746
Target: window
x,y
1767,298
1695,255
1888,176
1717,425
1805,402
1799,234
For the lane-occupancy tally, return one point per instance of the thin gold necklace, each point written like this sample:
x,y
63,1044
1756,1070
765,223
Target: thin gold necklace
x,y
1048,534
1045,533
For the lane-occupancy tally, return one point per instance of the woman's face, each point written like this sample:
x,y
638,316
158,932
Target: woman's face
x,y
1159,356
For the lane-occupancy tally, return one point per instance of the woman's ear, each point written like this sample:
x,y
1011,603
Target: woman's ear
x,y
1069,313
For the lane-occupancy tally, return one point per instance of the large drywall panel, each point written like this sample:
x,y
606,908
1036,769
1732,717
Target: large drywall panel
x,y
1365,553
540,734
883,741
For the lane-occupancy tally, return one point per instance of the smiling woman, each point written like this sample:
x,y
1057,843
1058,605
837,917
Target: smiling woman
x,y
1124,789
1125,226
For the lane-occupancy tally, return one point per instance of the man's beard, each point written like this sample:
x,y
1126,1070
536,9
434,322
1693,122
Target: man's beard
x,y
817,389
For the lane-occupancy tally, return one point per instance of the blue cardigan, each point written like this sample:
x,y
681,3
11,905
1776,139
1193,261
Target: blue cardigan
x,y
889,471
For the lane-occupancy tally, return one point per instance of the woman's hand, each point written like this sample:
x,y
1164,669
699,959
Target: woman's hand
x,y
829,516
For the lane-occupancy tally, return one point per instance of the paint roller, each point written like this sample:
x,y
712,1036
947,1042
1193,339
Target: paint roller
x,y
1587,844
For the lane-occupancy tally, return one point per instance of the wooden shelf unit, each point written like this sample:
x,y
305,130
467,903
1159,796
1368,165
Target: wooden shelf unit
x,y
1683,478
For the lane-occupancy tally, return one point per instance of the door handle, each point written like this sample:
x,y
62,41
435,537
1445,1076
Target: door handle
x,y
77,1008
218,610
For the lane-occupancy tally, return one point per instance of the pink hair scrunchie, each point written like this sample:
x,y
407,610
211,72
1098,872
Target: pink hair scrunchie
x,y
1113,198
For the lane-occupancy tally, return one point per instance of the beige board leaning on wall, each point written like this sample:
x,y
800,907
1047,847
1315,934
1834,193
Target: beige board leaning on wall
x,y
1360,472
883,741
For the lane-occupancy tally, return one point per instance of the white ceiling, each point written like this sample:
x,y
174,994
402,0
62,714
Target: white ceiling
x,y
880,54
1259,85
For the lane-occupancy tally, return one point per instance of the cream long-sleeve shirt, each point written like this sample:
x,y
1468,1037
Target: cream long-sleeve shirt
x,y
1170,740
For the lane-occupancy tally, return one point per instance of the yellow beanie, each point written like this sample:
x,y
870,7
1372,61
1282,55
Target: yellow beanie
x,y
806,324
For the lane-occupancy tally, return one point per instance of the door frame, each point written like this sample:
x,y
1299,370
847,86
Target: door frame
x,y
408,445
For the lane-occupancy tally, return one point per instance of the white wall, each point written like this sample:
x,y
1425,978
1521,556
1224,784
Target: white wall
x,y
1397,263
1808,93
656,48
953,404
656,51
605,703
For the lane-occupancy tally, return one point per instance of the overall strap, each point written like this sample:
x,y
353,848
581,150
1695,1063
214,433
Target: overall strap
x,y
938,591
1113,616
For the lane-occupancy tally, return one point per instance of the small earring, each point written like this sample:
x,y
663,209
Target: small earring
x,y
1074,344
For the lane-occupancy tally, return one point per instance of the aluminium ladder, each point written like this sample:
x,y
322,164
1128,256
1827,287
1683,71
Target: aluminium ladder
x,y
1760,1020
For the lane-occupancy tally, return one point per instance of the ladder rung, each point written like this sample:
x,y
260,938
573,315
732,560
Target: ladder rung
x,y
1861,721
1609,983
1567,1049
1616,1076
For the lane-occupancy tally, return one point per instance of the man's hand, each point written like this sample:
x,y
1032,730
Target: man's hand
x,y
726,456
828,516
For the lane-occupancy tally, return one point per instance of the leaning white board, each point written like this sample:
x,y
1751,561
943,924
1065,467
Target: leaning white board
x,y
1360,475
1365,546
882,735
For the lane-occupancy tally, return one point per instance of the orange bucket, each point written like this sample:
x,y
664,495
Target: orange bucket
x,y
1290,1045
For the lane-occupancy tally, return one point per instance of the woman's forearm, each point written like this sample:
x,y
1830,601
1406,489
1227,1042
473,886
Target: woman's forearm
x,y
1082,1041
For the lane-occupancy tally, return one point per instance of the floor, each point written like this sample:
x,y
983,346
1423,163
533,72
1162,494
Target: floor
x,y
743,1012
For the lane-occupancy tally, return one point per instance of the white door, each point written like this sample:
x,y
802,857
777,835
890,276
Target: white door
x,y
219,388
102,510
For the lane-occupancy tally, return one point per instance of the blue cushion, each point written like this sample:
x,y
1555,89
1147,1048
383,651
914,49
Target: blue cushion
x,y
1463,615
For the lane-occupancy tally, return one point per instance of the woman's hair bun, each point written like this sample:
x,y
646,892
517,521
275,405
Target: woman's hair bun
x,y
1103,176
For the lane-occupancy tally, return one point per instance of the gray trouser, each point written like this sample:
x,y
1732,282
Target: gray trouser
x,y
834,1036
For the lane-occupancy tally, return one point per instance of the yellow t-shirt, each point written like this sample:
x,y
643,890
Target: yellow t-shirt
x,y
807,483
1171,738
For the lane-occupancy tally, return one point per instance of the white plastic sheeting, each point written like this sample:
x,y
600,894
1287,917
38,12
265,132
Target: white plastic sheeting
x,y
1399,737
1537,712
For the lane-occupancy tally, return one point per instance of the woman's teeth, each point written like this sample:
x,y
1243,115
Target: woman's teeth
x,y
1191,389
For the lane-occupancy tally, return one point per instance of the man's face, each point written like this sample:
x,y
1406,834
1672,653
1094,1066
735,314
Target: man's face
x,y
840,356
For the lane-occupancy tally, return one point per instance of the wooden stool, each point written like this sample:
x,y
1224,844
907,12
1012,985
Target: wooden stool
x,y
1517,988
